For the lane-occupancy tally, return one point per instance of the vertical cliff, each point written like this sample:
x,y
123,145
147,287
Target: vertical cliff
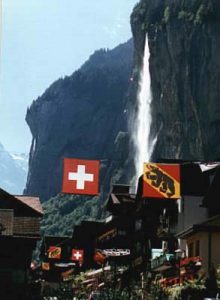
x,y
81,116
184,41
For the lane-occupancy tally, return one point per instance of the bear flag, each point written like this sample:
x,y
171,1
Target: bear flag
x,y
161,181
80,176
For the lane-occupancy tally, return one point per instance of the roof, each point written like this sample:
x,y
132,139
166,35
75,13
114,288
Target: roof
x,y
33,202
121,202
56,239
211,224
20,200
98,272
120,189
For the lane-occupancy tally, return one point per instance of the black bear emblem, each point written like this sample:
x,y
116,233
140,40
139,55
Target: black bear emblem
x,y
160,180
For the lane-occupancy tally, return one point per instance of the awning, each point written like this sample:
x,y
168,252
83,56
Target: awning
x,y
99,271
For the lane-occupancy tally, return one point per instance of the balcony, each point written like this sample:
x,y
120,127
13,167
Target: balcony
x,y
162,263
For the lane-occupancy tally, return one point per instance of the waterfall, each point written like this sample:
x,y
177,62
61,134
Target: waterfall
x,y
142,142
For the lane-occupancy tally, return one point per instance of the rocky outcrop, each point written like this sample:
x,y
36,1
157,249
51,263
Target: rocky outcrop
x,y
184,41
81,116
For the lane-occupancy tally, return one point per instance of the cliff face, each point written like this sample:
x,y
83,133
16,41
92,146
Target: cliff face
x,y
184,41
80,116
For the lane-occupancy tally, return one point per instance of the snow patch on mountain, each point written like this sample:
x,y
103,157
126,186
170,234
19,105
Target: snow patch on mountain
x,y
13,171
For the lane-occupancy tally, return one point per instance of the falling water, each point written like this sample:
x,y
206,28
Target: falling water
x,y
143,121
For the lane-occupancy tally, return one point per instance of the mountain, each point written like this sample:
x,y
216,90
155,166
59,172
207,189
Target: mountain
x,y
184,41
82,116
87,114
13,171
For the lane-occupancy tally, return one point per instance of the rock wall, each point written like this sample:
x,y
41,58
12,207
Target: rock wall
x,y
184,41
81,116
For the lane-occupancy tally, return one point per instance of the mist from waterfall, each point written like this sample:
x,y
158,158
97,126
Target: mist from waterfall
x,y
143,121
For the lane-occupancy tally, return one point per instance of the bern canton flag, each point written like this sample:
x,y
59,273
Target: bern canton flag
x,y
161,181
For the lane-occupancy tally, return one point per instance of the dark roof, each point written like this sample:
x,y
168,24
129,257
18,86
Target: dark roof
x,y
51,239
120,200
121,189
56,241
211,224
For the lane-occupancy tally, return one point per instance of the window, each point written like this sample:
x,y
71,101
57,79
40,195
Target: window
x,y
190,250
121,232
197,252
138,225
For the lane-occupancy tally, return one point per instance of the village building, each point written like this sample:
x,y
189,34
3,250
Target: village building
x,y
163,239
19,232
194,228
203,241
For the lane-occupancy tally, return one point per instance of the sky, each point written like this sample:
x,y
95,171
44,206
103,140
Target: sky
x,y
43,40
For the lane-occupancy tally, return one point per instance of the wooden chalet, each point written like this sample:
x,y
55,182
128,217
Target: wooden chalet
x,y
123,232
19,232
119,227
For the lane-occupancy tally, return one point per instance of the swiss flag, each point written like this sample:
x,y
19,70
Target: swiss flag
x,y
77,255
80,176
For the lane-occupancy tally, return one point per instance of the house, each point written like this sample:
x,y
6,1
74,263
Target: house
x,y
203,241
194,228
19,232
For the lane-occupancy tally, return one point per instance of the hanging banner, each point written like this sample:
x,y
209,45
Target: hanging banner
x,y
45,266
77,255
109,234
80,176
54,252
67,275
161,181
99,257
116,252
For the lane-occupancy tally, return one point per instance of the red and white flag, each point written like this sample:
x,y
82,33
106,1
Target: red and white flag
x,y
77,255
80,176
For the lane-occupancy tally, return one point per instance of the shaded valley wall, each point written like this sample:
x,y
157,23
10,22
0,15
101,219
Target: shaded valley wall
x,y
81,116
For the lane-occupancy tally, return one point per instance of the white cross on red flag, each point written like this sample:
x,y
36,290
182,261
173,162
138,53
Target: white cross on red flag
x,y
80,176
77,255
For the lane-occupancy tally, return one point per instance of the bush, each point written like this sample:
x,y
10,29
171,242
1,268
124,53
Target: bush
x,y
187,16
167,14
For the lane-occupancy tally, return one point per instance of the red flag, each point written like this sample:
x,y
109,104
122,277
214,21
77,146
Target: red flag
x,y
54,252
45,266
80,176
99,257
77,255
161,181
